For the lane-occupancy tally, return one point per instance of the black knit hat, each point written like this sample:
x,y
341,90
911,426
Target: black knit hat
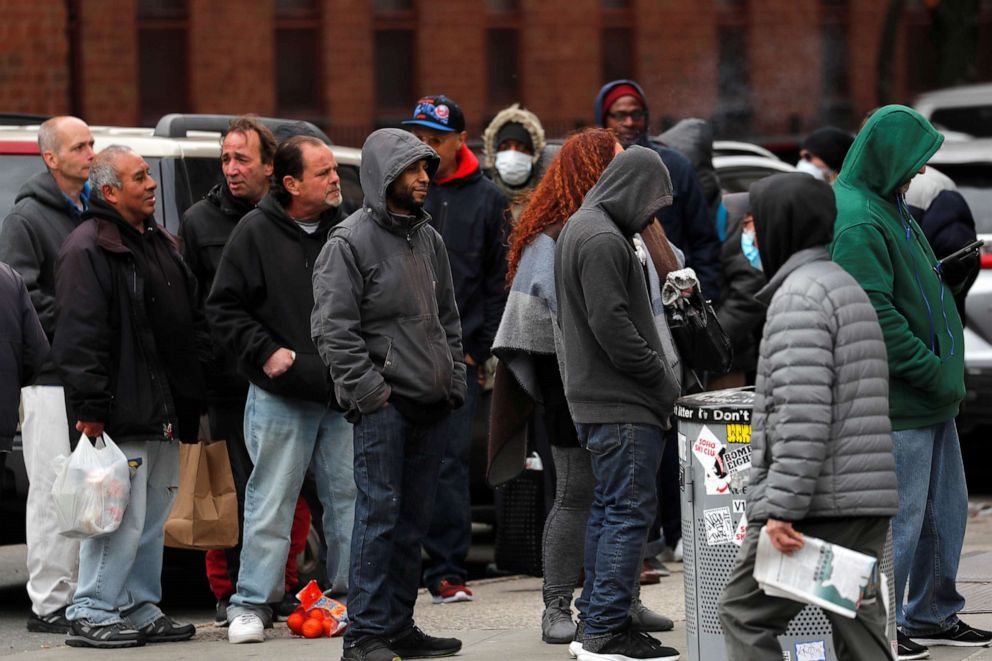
x,y
514,131
830,145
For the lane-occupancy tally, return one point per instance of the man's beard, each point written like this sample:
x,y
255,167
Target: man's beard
x,y
405,200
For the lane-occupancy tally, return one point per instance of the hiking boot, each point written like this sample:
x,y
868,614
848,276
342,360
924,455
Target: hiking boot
x,y
449,591
418,645
626,645
282,609
167,630
52,623
959,635
643,618
908,650
83,633
246,628
370,649
557,627
220,612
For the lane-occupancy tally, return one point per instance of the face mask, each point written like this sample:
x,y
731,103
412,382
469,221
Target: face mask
x,y
805,166
513,167
750,250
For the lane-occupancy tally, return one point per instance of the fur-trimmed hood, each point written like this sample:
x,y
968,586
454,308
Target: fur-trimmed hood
x,y
512,114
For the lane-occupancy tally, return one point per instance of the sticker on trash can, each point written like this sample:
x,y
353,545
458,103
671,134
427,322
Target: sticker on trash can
x,y
719,526
683,453
725,472
814,650
738,433
741,531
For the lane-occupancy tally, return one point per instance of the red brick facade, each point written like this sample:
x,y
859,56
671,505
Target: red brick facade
x,y
231,68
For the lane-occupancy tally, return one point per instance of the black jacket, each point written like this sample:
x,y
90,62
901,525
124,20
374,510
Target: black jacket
x,y
23,349
386,322
262,298
204,232
30,239
128,355
741,315
615,363
471,215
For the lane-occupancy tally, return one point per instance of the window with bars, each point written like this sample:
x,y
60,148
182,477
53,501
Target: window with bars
x,y
298,56
163,59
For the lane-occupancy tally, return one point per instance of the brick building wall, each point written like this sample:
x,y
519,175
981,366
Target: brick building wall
x,y
231,65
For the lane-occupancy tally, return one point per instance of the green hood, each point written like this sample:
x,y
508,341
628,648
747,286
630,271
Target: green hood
x,y
891,147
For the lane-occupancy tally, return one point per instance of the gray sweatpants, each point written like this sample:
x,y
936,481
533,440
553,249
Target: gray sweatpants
x,y
752,620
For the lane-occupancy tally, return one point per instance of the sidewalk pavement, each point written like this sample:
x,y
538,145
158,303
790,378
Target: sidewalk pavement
x,y
503,623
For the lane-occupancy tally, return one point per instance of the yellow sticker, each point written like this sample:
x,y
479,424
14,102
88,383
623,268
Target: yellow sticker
x,y
738,433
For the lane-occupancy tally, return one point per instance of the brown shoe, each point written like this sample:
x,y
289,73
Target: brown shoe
x,y
648,575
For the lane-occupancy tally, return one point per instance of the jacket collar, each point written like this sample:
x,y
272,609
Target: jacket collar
x,y
110,224
806,256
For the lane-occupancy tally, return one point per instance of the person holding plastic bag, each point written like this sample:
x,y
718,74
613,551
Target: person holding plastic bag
x,y
127,347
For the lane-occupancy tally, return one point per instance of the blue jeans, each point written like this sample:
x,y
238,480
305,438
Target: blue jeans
x,y
928,531
396,470
120,574
450,534
625,460
283,436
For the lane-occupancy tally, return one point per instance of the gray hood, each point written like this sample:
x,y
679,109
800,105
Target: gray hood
x,y
694,138
385,154
634,186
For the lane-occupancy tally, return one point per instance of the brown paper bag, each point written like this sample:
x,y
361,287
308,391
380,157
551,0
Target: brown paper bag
x,y
205,512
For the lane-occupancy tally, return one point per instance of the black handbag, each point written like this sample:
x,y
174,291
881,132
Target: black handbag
x,y
702,343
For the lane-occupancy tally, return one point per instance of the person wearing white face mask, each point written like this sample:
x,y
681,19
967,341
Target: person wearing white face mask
x,y
822,153
516,154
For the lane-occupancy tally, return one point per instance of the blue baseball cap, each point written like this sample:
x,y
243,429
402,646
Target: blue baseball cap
x,y
438,112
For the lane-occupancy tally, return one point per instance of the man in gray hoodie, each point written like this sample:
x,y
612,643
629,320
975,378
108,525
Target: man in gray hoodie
x,y
386,324
621,384
49,206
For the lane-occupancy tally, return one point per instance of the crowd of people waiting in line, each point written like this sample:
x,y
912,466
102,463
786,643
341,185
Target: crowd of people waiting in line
x,y
356,348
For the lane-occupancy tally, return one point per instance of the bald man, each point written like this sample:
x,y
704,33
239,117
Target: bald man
x,y
48,207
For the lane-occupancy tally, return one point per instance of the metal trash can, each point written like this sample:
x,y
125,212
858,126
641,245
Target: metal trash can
x,y
714,436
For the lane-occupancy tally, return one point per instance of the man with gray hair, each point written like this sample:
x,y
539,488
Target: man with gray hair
x,y
126,323
48,207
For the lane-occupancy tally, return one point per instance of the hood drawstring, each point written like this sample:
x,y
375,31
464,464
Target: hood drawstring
x,y
906,217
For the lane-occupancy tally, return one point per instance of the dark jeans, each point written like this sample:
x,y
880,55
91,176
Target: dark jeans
x,y
396,472
450,534
625,460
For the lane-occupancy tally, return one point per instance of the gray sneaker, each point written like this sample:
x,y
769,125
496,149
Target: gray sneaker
x,y
557,627
643,618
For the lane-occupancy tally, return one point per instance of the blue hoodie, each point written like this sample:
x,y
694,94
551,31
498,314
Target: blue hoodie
x,y
687,222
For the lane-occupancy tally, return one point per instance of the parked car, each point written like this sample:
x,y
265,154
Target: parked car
x,y
738,172
183,152
961,112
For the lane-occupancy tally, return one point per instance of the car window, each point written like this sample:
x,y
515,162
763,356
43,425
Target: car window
x,y
202,174
15,169
974,181
973,120
351,190
739,180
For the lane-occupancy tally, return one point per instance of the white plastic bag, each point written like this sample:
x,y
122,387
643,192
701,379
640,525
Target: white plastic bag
x,y
91,489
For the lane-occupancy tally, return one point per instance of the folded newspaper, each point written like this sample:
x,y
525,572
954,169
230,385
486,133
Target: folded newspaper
x,y
820,573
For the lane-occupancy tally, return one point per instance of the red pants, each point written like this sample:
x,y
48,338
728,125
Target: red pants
x,y
222,584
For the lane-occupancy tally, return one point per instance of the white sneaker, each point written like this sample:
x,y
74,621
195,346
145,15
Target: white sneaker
x,y
575,649
246,628
678,551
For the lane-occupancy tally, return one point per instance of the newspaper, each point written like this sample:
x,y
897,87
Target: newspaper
x,y
823,574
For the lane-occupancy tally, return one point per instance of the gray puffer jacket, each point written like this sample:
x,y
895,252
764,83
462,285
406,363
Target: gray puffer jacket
x,y
820,444
385,319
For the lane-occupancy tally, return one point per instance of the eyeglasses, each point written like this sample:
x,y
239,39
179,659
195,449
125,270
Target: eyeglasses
x,y
619,116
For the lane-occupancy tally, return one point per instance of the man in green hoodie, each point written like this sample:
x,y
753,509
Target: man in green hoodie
x,y
879,243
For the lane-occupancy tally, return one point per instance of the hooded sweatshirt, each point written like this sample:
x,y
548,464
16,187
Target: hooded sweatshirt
x,y
878,242
687,221
30,239
614,365
540,160
385,320
262,298
820,444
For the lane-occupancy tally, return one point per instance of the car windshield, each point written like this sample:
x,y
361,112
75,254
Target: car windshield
x,y
17,169
974,181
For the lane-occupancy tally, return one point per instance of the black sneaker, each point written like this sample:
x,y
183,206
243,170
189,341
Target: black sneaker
x,y
627,645
418,645
167,630
959,635
83,633
282,609
220,612
908,650
370,649
52,623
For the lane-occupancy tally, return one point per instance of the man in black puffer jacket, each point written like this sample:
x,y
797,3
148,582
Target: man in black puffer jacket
x,y
259,313
127,343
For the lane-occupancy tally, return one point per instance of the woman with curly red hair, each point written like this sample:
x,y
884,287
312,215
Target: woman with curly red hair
x,y
528,372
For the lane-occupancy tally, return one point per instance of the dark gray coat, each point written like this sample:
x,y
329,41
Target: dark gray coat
x,y
385,319
820,443
614,362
